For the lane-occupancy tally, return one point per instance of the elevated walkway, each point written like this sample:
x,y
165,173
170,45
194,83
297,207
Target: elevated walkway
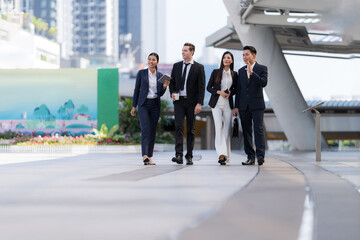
x,y
113,196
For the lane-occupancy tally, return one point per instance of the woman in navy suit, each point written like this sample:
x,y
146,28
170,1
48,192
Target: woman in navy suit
x,y
146,96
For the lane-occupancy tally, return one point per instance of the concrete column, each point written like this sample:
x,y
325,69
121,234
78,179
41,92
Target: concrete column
x,y
283,92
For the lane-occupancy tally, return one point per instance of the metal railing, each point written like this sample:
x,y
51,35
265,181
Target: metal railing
x,y
317,129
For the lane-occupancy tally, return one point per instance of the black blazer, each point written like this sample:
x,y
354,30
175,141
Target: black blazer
x,y
195,86
213,87
142,87
251,94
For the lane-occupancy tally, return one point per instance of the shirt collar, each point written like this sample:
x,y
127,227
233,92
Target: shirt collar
x,y
153,74
252,66
228,71
191,62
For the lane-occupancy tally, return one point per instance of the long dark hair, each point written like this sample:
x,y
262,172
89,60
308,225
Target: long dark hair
x,y
219,74
155,55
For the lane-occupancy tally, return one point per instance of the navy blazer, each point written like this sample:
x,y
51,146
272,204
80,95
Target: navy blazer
x,y
195,85
142,87
249,94
213,87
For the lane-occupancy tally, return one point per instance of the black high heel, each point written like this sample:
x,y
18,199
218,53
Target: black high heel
x,y
222,161
146,161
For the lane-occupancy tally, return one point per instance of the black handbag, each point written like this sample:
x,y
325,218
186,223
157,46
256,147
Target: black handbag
x,y
235,132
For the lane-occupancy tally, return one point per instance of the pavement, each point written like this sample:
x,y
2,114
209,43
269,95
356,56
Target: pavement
x,y
77,196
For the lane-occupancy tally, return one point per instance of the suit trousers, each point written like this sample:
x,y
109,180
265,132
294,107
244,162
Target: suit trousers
x,y
222,115
184,108
149,114
247,119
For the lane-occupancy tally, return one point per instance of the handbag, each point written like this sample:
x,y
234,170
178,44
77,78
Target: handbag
x,y
235,129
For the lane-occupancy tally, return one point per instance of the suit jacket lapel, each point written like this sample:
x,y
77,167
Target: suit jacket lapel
x,y
178,82
245,77
146,77
255,67
158,84
191,72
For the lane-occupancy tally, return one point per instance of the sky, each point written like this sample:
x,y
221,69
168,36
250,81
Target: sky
x,y
318,78
192,21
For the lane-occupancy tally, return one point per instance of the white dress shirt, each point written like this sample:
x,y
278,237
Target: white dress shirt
x,y
226,80
252,67
152,85
183,92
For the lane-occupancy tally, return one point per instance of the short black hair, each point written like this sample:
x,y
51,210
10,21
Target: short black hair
x,y
191,46
251,49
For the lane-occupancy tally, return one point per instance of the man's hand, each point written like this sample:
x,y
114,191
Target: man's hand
x,y
132,112
197,109
235,112
249,68
173,97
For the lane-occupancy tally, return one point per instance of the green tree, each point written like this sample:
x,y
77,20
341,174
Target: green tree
x,y
83,109
161,135
52,33
40,26
128,124
42,112
37,23
62,112
69,106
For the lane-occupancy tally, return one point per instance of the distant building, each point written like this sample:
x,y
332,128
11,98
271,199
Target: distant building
x,y
21,49
95,31
44,9
130,28
153,30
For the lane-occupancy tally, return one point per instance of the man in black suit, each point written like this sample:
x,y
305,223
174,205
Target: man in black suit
x,y
249,103
188,82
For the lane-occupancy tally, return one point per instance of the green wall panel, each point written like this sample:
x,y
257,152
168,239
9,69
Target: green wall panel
x,y
108,97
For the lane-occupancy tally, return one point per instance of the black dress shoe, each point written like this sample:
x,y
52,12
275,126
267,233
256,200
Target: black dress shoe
x,y
178,159
249,162
260,160
189,161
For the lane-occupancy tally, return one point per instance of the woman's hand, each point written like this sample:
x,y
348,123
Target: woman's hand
x,y
223,94
167,83
132,112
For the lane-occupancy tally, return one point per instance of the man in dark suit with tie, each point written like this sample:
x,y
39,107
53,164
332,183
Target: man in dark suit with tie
x,y
250,105
188,82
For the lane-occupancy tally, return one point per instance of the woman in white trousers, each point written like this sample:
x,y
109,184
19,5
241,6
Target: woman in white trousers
x,y
222,86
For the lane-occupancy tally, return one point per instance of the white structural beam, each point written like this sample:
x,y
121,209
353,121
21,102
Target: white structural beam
x,y
303,5
281,20
282,89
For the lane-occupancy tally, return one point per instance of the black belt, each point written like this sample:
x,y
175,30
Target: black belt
x,y
183,96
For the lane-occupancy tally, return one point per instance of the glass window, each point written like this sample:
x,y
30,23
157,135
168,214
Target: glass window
x,y
43,3
43,13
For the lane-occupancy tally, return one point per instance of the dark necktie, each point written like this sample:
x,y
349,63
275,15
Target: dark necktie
x,y
184,76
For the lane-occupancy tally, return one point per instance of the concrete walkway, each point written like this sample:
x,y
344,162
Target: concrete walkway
x,y
113,196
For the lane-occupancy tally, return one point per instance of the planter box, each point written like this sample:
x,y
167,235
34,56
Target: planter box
x,y
82,149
